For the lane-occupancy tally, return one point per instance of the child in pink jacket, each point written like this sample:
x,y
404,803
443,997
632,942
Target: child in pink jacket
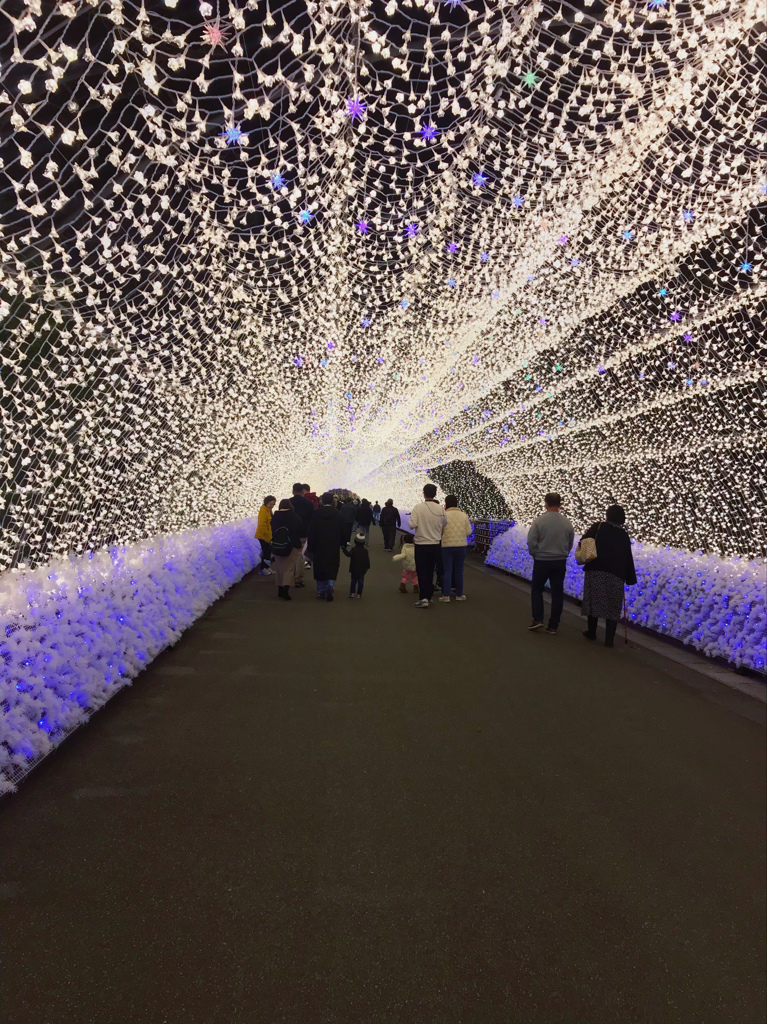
x,y
407,557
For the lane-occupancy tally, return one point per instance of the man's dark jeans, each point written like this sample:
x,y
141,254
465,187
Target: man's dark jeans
x,y
426,556
554,573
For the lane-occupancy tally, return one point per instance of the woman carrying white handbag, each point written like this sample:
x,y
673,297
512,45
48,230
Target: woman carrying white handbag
x,y
605,553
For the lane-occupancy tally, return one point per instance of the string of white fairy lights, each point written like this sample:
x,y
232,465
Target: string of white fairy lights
x,y
352,242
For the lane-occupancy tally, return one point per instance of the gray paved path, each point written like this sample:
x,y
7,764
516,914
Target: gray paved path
x,y
363,812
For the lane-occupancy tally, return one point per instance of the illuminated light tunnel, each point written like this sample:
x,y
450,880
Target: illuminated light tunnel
x,y
508,247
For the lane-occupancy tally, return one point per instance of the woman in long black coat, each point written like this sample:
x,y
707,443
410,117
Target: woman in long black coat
x,y
323,546
607,574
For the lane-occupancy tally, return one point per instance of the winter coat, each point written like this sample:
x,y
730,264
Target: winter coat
x,y
313,499
348,512
304,508
407,555
359,559
364,515
264,525
458,528
614,554
286,519
324,542
390,516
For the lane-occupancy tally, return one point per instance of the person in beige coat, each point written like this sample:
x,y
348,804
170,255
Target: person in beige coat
x,y
454,540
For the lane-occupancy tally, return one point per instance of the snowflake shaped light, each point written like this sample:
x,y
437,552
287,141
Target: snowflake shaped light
x,y
232,135
215,34
277,181
429,133
628,235
688,216
363,227
411,229
563,240
451,282
479,179
452,247
657,5
355,108
530,79
305,216
676,316
366,321
484,257
518,202
746,267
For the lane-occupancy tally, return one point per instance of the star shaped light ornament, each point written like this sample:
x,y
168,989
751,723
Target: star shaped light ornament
x,y
411,229
305,216
628,235
746,266
563,240
362,227
233,135
518,202
429,133
479,179
355,108
215,34
530,79
484,257
452,247
688,216
657,5
277,181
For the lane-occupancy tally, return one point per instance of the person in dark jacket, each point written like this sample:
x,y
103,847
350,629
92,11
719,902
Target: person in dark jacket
x,y
303,508
287,527
323,546
348,512
390,520
376,512
359,563
364,518
607,575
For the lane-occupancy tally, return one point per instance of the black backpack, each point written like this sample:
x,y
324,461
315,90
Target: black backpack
x,y
281,542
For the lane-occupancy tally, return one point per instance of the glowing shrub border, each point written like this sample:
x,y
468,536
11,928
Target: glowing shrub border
x,y
716,605
74,632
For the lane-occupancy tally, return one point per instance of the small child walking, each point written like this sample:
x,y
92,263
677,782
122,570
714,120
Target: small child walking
x,y
407,557
359,563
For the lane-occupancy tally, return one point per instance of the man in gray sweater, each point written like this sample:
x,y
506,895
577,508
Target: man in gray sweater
x,y
549,541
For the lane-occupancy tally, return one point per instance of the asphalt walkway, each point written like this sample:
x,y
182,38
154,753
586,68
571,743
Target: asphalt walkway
x,y
364,812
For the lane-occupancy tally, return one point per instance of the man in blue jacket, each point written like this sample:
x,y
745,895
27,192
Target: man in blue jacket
x,y
549,541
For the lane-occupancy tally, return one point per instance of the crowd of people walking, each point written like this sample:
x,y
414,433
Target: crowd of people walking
x,y
307,531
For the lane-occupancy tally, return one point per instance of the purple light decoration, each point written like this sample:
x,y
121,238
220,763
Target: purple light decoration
x,y
452,247
484,257
542,321
530,278
688,216
475,360
563,240
628,235
355,108
575,262
451,282
496,294
362,227
277,181
305,216
601,369
479,179
657,5
411,230
675,317
298,361
687,335
366,321
331,345
518,202
429,132
232,135
404,304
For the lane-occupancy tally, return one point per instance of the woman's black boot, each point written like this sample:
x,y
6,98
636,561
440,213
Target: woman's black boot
x,y
591,632
610,627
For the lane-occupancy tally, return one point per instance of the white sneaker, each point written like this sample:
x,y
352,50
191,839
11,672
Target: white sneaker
x,y
422,604
446,599
461,598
